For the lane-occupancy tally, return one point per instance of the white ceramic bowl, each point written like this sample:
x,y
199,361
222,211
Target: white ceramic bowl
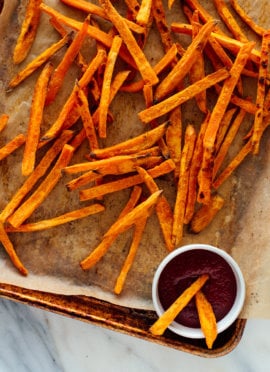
x,y
236,308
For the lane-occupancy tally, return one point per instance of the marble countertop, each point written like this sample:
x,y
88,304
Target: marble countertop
x,y
35,340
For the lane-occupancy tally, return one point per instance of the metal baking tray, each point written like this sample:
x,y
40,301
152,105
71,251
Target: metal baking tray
x,y
131,321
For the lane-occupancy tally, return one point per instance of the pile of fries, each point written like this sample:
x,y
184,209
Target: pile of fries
x,y
192,154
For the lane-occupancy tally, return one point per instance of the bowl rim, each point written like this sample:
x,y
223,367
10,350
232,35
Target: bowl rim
x,y
229,318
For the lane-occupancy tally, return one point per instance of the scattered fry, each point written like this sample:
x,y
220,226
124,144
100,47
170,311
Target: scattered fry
x,y
28,31
3,121
35,120
12,146
207,318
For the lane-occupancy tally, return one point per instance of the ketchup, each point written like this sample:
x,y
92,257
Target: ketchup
x,y
184,269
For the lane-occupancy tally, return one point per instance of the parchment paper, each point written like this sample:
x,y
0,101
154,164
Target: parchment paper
x,y
52,257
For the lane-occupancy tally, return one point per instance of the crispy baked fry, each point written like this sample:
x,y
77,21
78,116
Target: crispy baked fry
x,y
106,86
8,246
142,210
87,120
223,127
224,148
197,71
174,138
133,145
182,187
177,99
229,21
142,63
59,220
245,17
180,70
124,183
163,208
163,322
206,213
27,208
194,171
28,31
35,120
261,90
159,15
136,239
207,318
12,146
39,171
245,150
3,121
38,61
144,12
63,67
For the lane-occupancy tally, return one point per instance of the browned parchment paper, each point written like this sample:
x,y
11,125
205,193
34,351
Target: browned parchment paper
x,y
52,257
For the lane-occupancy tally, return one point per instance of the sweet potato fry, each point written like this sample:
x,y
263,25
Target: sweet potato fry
x,y
8,246
174,138
205,214
144,12
182,187
197,71
207,318
70,102
106,86
142,210
3,121
177,99
142,63
245,17
38,61
35,120
28,207
245,150
87,120
224,148
163,322
180,70
63,67
261,90
59,220
194,172
110,187
163,208
223,127
12,146
159,16
133,145
229,21
136,239
39,171
28,31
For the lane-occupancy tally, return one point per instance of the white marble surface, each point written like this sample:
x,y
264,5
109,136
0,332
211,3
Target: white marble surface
x,y
33,340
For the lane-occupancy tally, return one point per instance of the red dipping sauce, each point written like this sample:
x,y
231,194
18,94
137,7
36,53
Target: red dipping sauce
x,y
184,269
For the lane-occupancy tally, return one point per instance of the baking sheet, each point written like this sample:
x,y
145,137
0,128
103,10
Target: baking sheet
x,y
52,257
